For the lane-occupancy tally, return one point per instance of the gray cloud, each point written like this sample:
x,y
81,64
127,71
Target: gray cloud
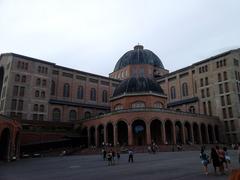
x,y
92,35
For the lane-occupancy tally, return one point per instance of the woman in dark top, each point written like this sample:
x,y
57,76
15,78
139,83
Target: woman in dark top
x,y
215,159
205,160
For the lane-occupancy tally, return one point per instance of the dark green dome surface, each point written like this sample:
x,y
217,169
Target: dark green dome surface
x,y
138,56
138,85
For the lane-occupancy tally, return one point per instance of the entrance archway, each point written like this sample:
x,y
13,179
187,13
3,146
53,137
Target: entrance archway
x,y
169,132
17,145
5,144
122,133
188,134
179,132
84,135
210,134
156,131
110,134
204,134
100,131
92,136
139,132
196,133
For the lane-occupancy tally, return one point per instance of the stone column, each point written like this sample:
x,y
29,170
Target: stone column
x,y
89,137
96,136
192,134
115,134
174,133
183,134
130,135
163,133
148,133
105,138
200,134
207,135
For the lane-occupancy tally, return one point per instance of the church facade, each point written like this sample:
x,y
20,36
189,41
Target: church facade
x,y
139,102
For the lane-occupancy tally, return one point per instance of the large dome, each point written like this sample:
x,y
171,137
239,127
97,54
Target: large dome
x,y
139,56
137,85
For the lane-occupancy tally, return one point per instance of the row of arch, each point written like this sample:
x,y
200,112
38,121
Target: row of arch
x,y
80,92
139,104
161,132
72,115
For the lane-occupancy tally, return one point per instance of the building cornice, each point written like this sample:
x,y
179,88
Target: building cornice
x,y
76,104
138,94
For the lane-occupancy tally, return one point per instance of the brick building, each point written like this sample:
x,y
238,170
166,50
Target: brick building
x,y
190,100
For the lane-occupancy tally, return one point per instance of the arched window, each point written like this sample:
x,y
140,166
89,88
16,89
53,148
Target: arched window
x,y
104,96
35,107
23,78
138,104
36,93
44,82
173,92
53,88
118,107
41,108
66,90
43,94
38,81
158,105
87,114
93,94
56,115
72,115
184,89
80,92
17,77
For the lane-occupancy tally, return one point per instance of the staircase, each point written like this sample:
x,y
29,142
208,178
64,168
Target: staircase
x,y
141,149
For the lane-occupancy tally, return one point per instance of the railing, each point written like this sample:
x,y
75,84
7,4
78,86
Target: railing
x,y
151,110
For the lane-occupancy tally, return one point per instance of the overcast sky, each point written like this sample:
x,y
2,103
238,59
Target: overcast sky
x,y
91,35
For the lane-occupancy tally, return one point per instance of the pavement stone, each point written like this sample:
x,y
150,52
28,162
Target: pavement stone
x,y
163,165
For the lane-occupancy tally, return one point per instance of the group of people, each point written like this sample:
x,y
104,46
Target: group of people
x,y
153,148
110,156
219,157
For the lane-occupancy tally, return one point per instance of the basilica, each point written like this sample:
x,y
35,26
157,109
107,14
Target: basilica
x,y
139,103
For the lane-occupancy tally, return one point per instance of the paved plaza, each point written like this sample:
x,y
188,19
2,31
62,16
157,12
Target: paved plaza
x,y
164,165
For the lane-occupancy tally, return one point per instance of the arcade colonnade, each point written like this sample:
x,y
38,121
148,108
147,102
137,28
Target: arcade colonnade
x,y
140,132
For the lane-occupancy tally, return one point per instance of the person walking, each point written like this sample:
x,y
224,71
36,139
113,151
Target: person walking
x,y
204,160
130,156
118,156
113,157
215,159
227,159
109,157
221,156
104,152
